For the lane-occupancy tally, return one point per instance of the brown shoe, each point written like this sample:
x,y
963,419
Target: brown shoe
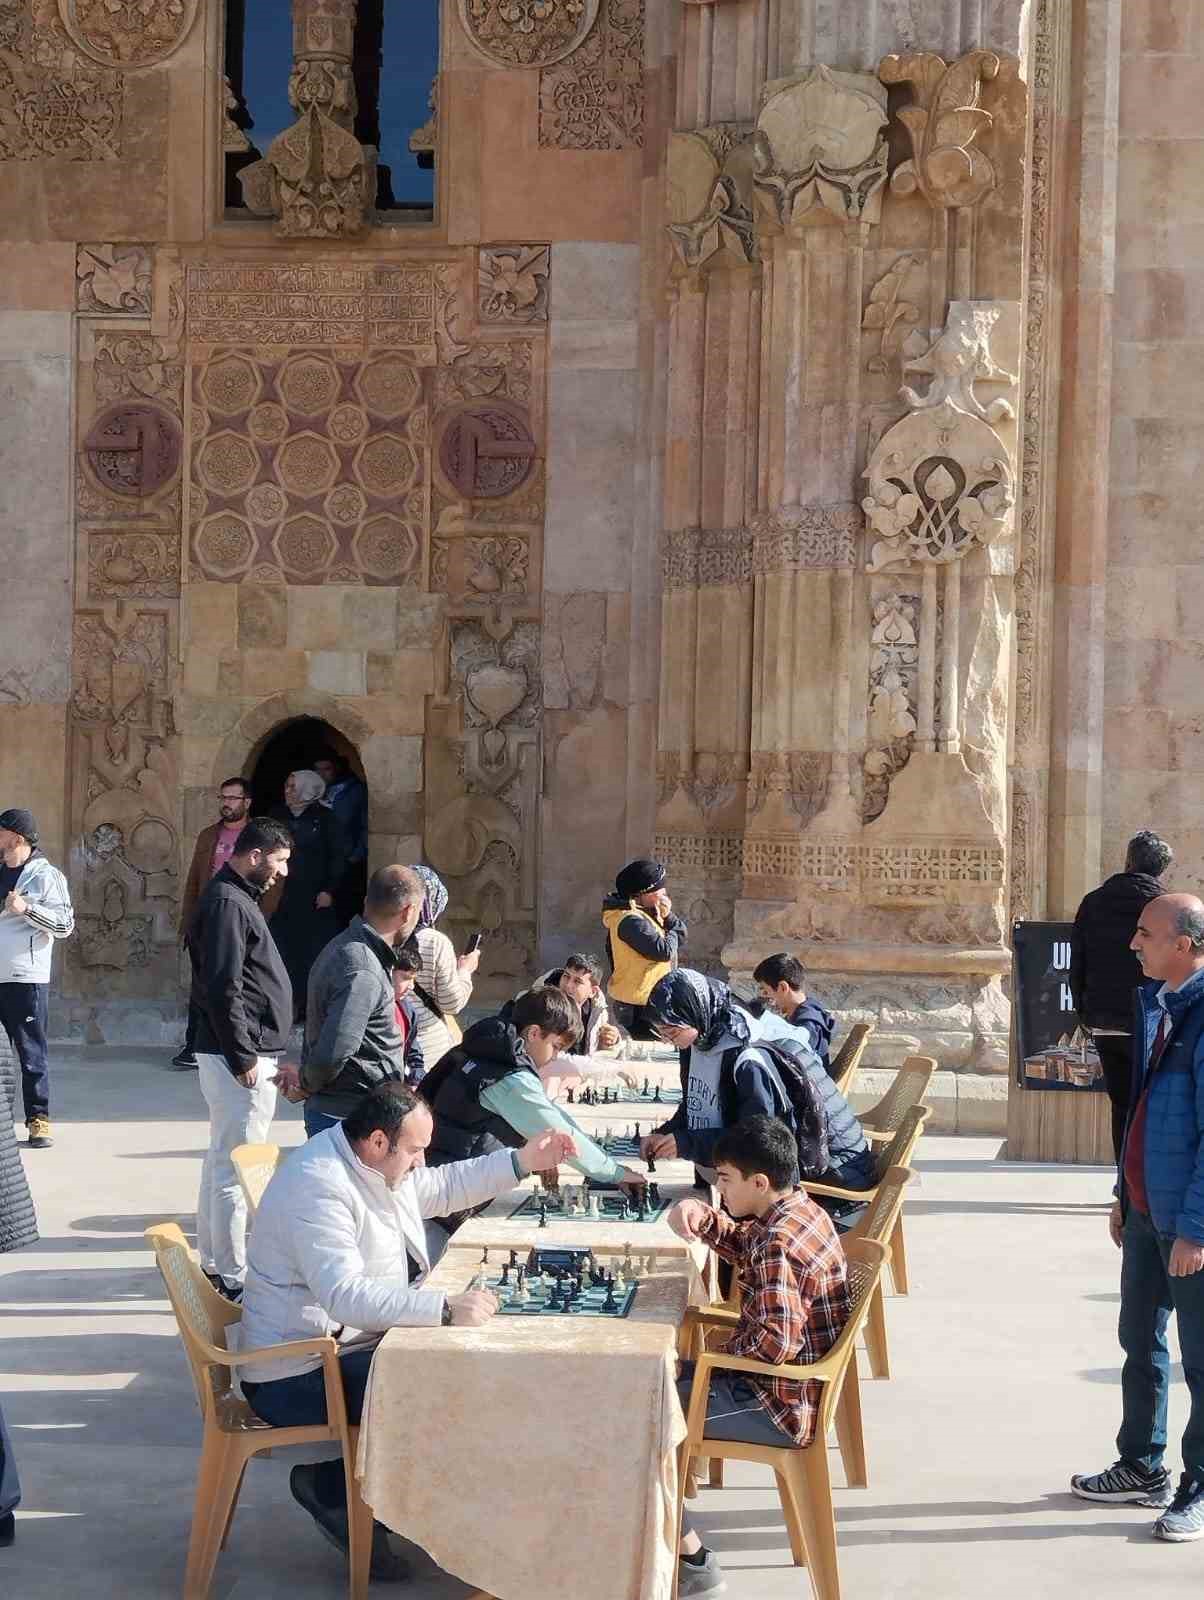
x,y
39,1133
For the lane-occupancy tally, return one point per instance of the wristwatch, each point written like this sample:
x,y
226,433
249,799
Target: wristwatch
x,y
447,1314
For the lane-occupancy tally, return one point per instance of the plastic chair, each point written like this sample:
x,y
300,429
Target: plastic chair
x,y
897,1153
881,1122
848,1058
255,1164
803,1476
232,1432
879,1222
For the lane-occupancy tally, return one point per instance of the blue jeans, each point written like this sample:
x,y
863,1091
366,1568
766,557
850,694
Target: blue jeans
x,y
10,1489
1147,1296
318,1121
293,1402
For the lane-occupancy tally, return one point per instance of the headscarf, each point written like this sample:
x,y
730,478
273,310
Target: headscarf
x,y
435,903
686,999
309,786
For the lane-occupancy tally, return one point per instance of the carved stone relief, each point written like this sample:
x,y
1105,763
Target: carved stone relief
x,y
486,450
889,313
941,480
595,99
113,278
801,776
527,33
52,103
128,33
316,178
820,141
313,463
141,563
942,123
797,537
512,283
709,196
891,723
133,450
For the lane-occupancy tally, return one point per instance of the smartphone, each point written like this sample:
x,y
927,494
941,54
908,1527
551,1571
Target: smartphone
x,y
475,942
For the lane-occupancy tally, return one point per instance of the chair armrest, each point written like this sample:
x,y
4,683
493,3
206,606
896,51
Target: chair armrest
x,y
280,1352
836,1193
878,1135
816,1372
717,1316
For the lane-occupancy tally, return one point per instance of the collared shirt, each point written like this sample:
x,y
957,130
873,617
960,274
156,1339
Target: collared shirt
x,y
795,1299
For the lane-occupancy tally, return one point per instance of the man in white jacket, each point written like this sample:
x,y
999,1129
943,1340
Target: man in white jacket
x,y
35,910
338,1248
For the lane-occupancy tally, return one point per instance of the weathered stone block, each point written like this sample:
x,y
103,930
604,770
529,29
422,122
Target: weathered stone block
x,y
336,671
315,617
267,672
262,616
370,619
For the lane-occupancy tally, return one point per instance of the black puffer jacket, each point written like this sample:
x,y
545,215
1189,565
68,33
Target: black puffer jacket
x,y
491,1049
1103,970
18,1221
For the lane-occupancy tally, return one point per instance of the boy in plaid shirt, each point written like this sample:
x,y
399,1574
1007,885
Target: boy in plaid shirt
x,y
794,1300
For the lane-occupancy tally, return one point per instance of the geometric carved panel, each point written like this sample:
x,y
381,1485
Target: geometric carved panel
x,y
314,461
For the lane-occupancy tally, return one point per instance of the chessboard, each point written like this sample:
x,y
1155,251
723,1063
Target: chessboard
x,y
657,1094
568,1205
545,1297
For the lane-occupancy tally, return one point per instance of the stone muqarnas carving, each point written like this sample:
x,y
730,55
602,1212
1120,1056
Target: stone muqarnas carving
x,y
820,141
317,178
709,192
941,480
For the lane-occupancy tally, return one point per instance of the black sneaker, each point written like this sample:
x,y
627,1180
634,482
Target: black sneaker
x,y
185,1061
1183,1520
1123,1484
386,1565
8,1530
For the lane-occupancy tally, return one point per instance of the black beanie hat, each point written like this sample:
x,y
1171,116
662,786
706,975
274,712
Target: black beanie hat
x,y
18,821
639,877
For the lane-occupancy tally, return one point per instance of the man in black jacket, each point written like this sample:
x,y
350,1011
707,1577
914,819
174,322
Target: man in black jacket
x,y
245,1000
1103,969
353,1039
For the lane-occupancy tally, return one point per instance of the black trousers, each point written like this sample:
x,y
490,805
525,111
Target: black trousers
x,y
23,1013
1116,1059
10,1489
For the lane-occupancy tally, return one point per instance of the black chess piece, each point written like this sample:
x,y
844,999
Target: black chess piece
x,y
505,1274
642,1210
522,1276
567,1303
656,1098
610,1303
485,1256
570,1095
543,1213
654,1189
514,1258
644,1090
651,1163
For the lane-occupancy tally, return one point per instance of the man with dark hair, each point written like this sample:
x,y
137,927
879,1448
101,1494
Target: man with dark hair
x,y
407,969
643,940
214,847
1158,1223
353,1039
347,796
581,979
1103,972
486,1092
339,1249
782,986
35,910
242,990
794,1300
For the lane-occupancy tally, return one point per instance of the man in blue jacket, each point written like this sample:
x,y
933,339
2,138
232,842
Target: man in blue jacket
x,y
1158,1222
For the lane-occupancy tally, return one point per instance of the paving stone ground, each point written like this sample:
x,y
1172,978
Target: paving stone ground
x,y
1006,1382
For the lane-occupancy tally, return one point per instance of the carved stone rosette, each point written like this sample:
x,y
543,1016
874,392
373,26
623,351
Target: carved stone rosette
x,y
527,33
317,179
127,33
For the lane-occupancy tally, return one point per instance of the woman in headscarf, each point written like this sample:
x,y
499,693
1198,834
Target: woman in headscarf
x,y
735,1065
304,920
444,986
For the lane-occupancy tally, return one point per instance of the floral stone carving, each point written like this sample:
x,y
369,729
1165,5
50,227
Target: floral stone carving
x,y
512,283
317,178
114,278
709,188
820,141
941,480
128,33
527,33
943,124
595,100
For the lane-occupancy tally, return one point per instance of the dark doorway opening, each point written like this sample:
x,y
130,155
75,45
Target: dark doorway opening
x,y
293,745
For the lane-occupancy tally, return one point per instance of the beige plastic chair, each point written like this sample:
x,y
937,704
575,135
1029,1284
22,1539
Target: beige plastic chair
x,y
880,1222
848,1058
255,1164
881,1122
232,1432
803,1477
898,1153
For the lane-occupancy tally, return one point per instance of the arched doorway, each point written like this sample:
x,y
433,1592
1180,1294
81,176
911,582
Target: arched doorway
x,y
297,743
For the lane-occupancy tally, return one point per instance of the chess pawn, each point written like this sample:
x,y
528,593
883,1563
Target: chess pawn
x,y
595,1206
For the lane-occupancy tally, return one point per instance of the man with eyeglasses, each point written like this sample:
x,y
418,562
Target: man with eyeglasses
x,y
214,847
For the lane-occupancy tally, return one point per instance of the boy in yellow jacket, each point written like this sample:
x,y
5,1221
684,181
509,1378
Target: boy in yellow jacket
x,y
643,939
